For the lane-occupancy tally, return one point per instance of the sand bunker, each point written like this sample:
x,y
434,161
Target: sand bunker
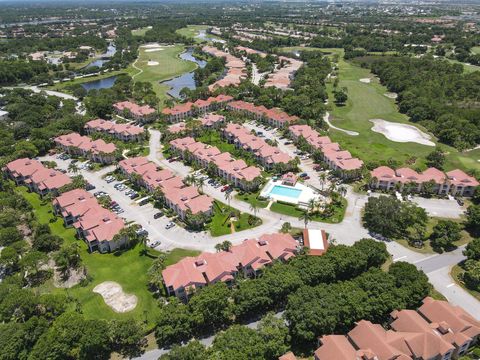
x,y
391,95
401,132
152,63
366,80
154,49
114,296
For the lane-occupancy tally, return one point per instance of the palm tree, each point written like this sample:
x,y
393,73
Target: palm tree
x,y
254,208
73,168
228,197
332,187
342,190
323,178
200,182
311,205
306,217
190,179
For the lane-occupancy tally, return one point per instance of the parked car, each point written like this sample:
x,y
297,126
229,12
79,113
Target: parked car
x,y
158,215
306,177
302,175
133,196
142,232
89,186
170,225
224,188
229,190
155,244
460,202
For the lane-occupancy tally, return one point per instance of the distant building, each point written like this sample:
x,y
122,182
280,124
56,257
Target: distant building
x,y
125,132
316,241
95,150
437,330
142,114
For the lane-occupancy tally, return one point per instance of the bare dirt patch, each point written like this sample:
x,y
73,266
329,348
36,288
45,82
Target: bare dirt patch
x,y
75,276
366,80
115,297
152,63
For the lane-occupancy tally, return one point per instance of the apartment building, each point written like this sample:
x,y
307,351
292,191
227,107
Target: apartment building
x,y
141,114
95,150
181,112
124,132
455,182
248,258
34,175
274,117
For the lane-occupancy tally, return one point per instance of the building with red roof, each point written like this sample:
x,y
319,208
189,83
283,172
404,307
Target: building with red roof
x,y
236,172
275,116
236,68
249,257
134,111
208,121
437,330
94,224
338,160
124,132
283,75
36,176
455,182
95,150
181,112
264,153
180,198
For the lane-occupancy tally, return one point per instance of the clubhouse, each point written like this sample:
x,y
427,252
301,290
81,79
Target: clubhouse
x,y
455,182
437,330
35,176
248,258
337,159
124,132
236,172
266,154
179,197
95,150
94,224
141,114
181,112
275,116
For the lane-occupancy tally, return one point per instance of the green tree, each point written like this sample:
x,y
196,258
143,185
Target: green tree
x,y
194,350
471,277
238,343
174,324
286,227
444,234
211,308
375,251
436,159
412,283
126,337
473,219
274,334
472,251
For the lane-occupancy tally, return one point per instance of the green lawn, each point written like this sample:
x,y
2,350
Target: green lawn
x,y
169,66
220,224
140,31
367,101
291,210
191,31
252,198
128,268
476,50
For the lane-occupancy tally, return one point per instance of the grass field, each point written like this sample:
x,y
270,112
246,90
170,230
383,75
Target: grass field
x,y
476,50
61,86
291,210
220,225
456,273
141,31
191,31
169,66
128,268
367,101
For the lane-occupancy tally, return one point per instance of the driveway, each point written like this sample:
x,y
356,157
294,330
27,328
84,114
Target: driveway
x,y
440,207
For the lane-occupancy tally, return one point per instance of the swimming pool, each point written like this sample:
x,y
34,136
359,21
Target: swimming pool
x,y
286,191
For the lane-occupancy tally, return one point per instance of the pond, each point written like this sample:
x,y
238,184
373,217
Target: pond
x,y
98,62
99,84
186,80
202,35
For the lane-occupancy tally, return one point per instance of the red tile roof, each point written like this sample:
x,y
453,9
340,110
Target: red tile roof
x,y
114,128
135,109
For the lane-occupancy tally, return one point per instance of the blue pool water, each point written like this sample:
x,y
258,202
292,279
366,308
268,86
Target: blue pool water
x,y
285,191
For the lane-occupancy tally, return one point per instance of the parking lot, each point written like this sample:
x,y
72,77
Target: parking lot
x,y
131,211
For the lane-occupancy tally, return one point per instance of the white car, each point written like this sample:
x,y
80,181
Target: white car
x,y
170,225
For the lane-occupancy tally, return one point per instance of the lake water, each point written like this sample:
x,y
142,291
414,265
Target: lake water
x,y
99,84
186,80
202,35
98,62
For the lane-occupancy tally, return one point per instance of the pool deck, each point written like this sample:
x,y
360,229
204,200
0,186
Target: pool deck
x,y
304,197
